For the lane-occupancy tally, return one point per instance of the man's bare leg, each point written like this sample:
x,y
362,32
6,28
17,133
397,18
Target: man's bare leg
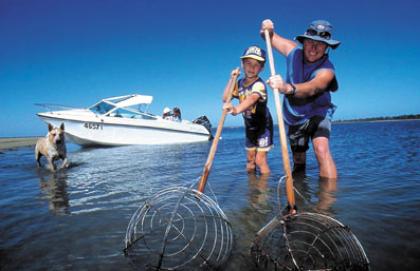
x,y
327,169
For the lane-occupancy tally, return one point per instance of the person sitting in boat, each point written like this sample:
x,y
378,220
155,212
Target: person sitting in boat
x,y
167,114
176,116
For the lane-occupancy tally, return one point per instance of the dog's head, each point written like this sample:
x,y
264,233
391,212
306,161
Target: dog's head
x,y
56,134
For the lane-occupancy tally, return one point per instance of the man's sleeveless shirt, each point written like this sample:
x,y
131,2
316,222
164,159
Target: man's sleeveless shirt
x,y
296,111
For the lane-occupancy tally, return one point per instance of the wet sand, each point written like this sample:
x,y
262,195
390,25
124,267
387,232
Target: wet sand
x,y
17,142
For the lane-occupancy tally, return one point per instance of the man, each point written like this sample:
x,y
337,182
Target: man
x,y
307,107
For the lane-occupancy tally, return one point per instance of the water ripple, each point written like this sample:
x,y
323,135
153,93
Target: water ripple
x,y
76,219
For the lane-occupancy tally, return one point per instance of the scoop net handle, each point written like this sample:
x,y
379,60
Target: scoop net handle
x,y
207,167
285,154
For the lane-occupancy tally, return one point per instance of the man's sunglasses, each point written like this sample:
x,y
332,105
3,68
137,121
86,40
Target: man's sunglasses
x,y
324,35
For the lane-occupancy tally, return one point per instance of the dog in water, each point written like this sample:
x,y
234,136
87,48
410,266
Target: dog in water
x,y
53,147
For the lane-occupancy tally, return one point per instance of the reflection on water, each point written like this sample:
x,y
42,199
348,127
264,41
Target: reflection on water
x,y
84,210
54,187
258,193
318,199
326,196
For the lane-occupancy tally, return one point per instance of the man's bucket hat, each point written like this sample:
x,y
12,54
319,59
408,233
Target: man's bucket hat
x,y
319,30
254,52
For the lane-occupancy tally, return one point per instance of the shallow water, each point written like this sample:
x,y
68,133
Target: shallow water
x,y
76,219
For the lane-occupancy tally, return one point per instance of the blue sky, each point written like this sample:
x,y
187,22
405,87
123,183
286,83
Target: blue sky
x,y
181,52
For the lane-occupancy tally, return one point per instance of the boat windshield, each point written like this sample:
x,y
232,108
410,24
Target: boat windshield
x,y
133,114
123,108
101,108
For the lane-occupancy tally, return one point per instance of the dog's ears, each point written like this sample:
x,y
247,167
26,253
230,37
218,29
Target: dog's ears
x,y
62,126
50,127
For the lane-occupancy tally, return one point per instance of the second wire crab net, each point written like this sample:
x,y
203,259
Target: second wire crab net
x,y
307,241
179,228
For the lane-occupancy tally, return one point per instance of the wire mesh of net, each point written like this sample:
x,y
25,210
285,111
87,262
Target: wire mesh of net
x,y
179,228
307,241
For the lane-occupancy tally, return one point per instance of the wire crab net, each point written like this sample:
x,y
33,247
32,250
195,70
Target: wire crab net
x,y
308,241
179,229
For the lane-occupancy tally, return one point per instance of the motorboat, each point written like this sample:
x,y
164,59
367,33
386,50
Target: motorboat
x,y
125,120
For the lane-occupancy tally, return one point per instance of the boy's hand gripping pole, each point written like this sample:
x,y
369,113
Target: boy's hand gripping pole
x,y
206,171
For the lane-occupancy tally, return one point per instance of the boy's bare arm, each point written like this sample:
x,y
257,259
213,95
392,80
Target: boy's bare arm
x,y
245,104
226,95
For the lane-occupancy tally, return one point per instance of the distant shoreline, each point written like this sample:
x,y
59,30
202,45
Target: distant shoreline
x,y
381,119
369,120
8,143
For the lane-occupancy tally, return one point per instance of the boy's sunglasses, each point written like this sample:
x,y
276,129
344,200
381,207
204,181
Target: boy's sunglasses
x,y
324,35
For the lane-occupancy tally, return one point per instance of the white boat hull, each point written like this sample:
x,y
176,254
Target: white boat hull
x,y
90,130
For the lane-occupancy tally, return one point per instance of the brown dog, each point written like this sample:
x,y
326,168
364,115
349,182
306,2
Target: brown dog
x,y
53,147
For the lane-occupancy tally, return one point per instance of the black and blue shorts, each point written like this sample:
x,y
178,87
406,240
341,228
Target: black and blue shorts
x,y
259,137
300,135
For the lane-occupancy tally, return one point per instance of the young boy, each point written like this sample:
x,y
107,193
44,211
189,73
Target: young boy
x,y
252,95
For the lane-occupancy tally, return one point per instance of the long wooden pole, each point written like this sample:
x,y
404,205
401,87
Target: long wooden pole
x,y
282,131
210,158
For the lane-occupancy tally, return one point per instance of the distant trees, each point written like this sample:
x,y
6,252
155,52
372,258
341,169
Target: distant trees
x,y
401,117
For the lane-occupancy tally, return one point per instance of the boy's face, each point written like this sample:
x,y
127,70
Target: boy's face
x,y
251,67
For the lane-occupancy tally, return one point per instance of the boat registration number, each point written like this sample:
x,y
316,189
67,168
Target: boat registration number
x,y
92,125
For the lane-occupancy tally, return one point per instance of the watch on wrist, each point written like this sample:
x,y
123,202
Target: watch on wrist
x,y
293,89
234,111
